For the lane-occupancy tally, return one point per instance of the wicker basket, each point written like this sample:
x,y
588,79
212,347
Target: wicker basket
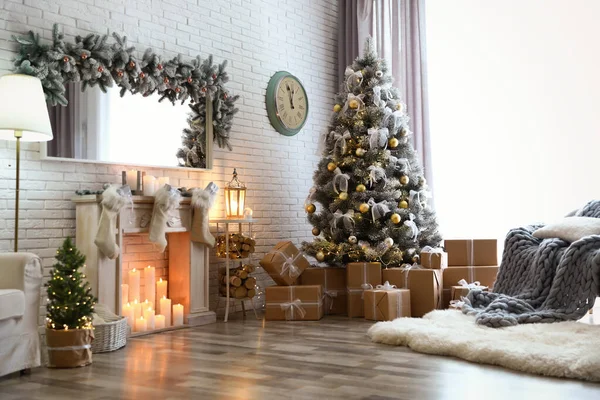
x,y
110,335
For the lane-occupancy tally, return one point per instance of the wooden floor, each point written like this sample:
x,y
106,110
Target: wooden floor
x,y
330,359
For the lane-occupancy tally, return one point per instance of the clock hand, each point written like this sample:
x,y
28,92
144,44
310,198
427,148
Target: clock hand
x,y
290,95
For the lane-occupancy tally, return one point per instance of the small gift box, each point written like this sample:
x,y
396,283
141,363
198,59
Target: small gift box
x,y
359,277
294,303
463,288
486,276
386,303
425,287
432,258
284,263
333,281
478,252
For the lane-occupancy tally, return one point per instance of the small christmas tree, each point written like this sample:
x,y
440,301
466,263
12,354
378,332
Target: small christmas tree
x,y
70,302
373,196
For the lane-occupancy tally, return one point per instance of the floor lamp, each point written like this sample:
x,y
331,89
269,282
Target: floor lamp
x,y
24,118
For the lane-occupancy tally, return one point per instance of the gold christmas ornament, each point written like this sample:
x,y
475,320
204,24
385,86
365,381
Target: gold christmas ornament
x,y
353,104
364,207
316,231
399,106
361,188
337,108
331,167
389,242
360,152
320,256
344,196
404,179
393,143
395,218
403,204
352,239
310,208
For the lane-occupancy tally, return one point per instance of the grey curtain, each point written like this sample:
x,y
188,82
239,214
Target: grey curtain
x,y
65,124
398,29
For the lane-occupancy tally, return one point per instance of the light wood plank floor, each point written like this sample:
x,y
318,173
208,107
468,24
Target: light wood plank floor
x,y
250,359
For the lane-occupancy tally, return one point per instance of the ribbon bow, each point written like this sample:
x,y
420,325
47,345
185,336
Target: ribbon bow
x,y
359,98
387,113
470,286
288,266
331,294
386,286
311,195
378,210
340,141
458,304
377,97
413,227
289,308
346,218
353,79
411,196
405,163
375,174
378,137
342,179
406,268
349,71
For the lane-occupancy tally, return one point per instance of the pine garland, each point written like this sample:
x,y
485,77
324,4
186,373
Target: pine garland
x,y
93,61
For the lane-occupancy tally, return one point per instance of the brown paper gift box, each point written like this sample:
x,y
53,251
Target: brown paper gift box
x,y
479,252
69,348
273,262
360,276
432,260
456,292
333,281
286,303
425,287
486,275
386,305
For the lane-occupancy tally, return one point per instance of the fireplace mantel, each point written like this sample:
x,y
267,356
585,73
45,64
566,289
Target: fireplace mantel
x,y
188,266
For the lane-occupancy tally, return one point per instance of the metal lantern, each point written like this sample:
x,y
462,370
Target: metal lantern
x,y
235,197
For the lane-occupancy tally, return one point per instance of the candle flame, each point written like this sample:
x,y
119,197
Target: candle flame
x,y
148,266
164,297
160,280
135,301
133,270
128,304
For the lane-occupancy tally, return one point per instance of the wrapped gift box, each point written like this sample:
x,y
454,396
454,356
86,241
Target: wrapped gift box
x,y
294,303
386,304
458,291
333,281
284,263
478,252
434,260
486,275
425,287
360,276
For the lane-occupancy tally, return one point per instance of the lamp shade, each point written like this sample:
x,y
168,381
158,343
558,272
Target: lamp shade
x,y
23,108
235,197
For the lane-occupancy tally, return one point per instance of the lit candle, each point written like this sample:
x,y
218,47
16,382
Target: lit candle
x,y
137,309
149,186
149,288
159,321
162,181
127,312
140,324
132,179
149,317
177,315
134,285
124,293
165,309
161,291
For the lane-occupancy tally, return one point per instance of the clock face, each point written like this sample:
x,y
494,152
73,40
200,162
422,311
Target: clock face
x,y
287,103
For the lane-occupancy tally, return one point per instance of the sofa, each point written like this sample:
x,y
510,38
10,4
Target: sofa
x,y
20,284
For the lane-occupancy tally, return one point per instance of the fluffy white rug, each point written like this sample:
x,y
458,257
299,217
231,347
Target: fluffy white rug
x,y
564,349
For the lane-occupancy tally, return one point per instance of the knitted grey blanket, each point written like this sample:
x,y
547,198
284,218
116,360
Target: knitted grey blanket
x,y
547,280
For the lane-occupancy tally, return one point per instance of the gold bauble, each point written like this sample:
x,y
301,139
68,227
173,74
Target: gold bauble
x,y
403,204
399,106
337,108
364,207
353,104
395,218
316,231
360,152
393,143
331,167
310,208
320,256
344,196
361,188
404,179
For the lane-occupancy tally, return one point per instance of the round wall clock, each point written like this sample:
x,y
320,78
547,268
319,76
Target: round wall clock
x,y
287,104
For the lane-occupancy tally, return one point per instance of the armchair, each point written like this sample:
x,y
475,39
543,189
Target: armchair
x,y
20,283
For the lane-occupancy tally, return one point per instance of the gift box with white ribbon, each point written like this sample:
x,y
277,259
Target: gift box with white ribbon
x,y
333,281
284,263
294,303
386,303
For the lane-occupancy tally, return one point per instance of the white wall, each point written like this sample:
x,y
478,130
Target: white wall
x,y
514,90
258,37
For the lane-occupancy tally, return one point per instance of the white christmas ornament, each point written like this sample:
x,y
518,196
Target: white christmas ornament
x,y
352,240
389,242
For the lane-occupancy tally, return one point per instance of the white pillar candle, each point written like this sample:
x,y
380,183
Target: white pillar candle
x,y
132,179
137,309
165,309
149,285
127,312
124,293
149,317
140,324
161,291
162,181
177,315
159,321
149,186
134,285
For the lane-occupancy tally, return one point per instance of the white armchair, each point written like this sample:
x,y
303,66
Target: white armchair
x,y
20,283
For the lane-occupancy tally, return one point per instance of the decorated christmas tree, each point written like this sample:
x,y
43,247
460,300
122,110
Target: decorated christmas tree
x,y
70,302
370,200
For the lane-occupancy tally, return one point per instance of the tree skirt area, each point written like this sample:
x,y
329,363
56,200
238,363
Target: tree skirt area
x,y
562,349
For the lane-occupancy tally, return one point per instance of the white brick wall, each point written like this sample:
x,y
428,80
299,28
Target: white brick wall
x,y
258,37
